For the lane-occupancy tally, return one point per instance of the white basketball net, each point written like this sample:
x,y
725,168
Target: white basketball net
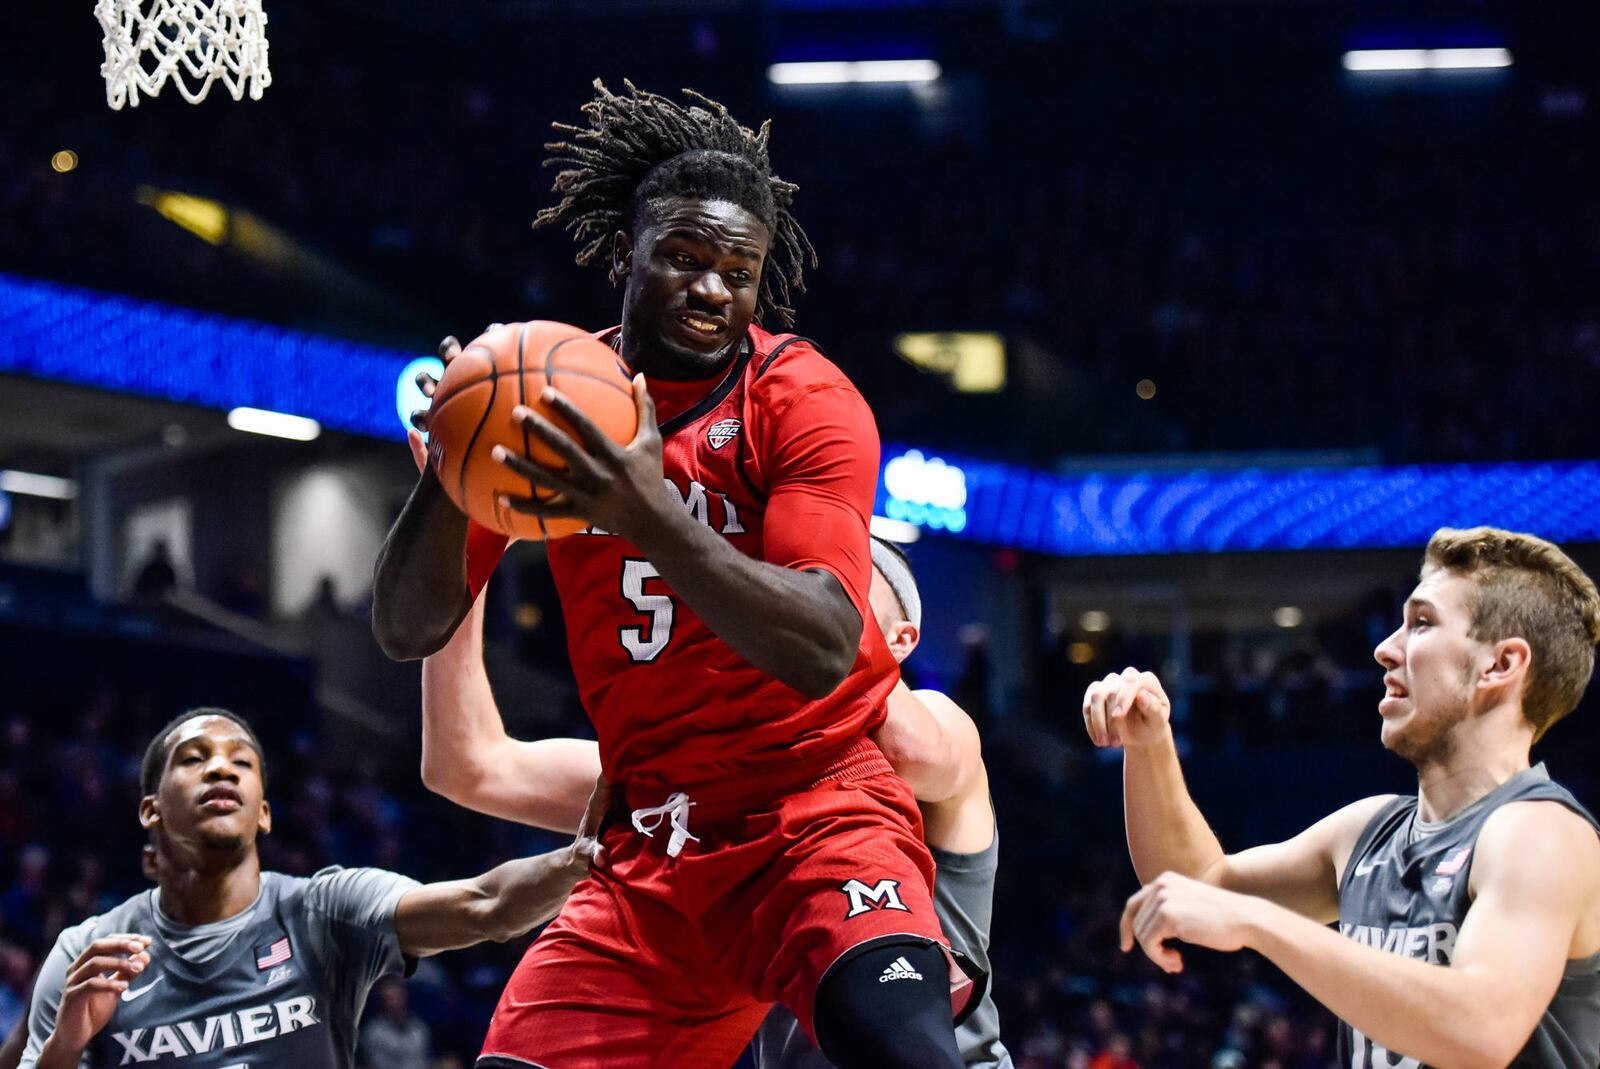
x,y
193,42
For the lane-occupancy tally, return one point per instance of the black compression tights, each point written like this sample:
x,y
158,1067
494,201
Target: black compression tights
x,y
864,1021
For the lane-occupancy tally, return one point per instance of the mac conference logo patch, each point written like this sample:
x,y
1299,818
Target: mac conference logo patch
x,y
722,432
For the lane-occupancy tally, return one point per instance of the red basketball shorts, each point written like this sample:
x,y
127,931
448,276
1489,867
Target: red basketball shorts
x,y
672,962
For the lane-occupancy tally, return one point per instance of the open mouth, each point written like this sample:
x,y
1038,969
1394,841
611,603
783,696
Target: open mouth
x,y
1393,696
221,800
696,325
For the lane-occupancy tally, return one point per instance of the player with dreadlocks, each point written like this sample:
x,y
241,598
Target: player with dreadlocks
x,y
717,612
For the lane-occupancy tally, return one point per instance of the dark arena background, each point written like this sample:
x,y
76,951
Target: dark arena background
x,y
1183,328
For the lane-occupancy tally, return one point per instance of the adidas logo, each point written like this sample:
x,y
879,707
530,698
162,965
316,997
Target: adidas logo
x,y
900,969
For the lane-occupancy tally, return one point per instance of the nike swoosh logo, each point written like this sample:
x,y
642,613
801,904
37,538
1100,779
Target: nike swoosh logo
x,y
130,994
1367,866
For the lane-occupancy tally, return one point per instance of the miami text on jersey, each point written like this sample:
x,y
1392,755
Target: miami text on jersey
x,y
708,507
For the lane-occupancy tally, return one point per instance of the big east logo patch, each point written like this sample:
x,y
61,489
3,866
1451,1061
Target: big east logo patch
x,y
722,432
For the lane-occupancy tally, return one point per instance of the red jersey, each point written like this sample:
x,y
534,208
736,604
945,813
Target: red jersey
x,y
779,455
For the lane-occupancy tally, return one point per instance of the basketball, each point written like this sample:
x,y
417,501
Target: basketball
x,y
507,366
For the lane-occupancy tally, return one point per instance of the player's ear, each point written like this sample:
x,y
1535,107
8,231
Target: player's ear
x,y
902,637
621,256
1512,657
264,821
149,812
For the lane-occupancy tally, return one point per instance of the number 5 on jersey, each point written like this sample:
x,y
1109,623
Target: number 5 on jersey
x,y
644,644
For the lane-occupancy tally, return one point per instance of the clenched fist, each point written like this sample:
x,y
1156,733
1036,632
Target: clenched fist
x,y
1127,709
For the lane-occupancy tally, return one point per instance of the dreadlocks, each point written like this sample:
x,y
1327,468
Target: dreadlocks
x,y
639,147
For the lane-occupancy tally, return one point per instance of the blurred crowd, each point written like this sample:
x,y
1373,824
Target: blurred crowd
x,y
69,847
1092,1007
1397,288
1252,712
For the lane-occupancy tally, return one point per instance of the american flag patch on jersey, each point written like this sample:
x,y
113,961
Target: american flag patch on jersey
x,y
273,954
1452,863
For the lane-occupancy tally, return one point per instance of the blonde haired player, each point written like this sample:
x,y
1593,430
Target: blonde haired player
x,y
1469,914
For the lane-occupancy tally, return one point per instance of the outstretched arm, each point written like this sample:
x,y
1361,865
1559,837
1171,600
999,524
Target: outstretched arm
x,y
468,758
1474,1003
504,902
1166,831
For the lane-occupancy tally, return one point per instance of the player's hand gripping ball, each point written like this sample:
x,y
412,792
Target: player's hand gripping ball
x,y
509,366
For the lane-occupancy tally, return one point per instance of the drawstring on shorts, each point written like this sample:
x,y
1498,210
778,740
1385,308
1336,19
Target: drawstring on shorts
x,y
675,809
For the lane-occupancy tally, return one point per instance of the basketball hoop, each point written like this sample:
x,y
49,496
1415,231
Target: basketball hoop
x,y
193,42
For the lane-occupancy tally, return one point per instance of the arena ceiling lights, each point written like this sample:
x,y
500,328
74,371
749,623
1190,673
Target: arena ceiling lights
x,y
970,362
855,72
274,424
35,485
1377,60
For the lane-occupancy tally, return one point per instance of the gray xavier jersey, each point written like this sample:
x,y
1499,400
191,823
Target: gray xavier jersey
x,y
1404,890
281,984
963,897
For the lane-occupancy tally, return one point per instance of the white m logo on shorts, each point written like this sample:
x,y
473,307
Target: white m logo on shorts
x,y
885,895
